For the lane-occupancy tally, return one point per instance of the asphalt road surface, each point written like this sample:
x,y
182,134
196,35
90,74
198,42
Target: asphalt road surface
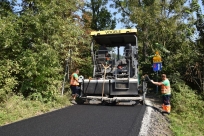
x,y
81,120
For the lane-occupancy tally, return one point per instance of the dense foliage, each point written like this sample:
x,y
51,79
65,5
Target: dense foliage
x,y
34,43
175,25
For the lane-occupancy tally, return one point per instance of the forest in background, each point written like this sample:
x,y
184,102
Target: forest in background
x,y
36,36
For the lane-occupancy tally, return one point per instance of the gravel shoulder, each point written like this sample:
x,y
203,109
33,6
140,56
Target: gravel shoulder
x,y
156,123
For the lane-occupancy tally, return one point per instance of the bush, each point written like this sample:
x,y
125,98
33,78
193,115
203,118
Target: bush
x,y
7,80
40,74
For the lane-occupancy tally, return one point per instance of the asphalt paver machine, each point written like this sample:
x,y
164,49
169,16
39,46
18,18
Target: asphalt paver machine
x,y
115,70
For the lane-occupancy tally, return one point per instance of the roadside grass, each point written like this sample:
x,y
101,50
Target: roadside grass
x,y
187,117
187,126
17,108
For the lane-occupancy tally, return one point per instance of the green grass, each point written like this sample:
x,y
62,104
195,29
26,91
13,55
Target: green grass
x,y
187,117
17,108
187,126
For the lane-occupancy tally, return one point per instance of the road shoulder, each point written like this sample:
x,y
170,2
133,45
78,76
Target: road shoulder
x,y
154,122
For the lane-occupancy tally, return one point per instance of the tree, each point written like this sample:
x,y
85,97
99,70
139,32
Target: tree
x,y
195,68
101,17
5,8
34,44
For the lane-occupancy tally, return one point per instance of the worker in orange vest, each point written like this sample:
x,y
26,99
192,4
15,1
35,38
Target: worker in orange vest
x,y
166,93
74,84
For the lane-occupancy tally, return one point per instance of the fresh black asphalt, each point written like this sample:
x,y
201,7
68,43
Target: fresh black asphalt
x,y
81,120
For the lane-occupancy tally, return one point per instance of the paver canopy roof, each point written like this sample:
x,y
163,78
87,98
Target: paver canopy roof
x,y
112,38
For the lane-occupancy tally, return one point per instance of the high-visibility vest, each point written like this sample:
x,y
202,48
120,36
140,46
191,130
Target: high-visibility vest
x,y
165,89
73,81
